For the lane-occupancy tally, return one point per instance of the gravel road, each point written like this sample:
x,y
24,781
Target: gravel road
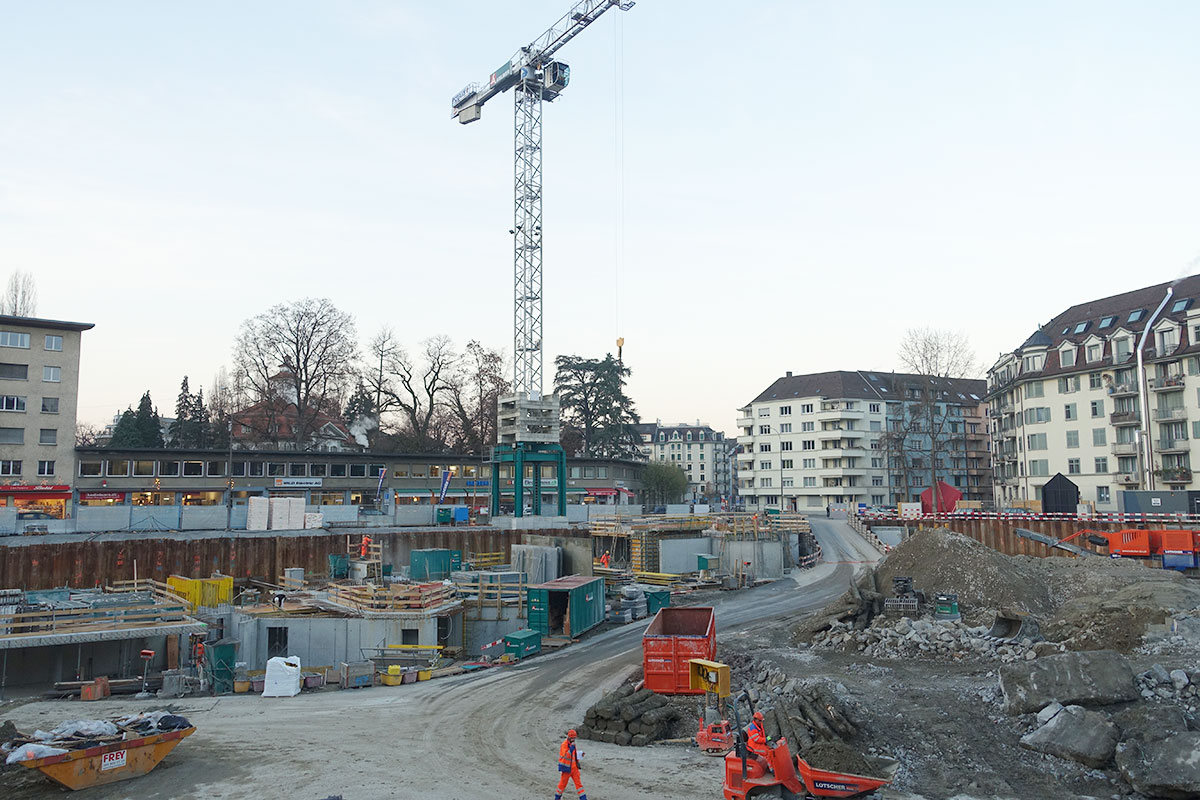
x,y
493,734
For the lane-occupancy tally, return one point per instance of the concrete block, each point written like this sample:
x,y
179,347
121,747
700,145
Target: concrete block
x,y
1099,677
1076,734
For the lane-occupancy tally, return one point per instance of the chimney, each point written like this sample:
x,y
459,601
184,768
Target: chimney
x,y
789,374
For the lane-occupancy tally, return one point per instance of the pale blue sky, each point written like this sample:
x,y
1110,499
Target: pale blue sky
x,y
802,181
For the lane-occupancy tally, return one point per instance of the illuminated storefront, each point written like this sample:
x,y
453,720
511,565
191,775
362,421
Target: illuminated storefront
x,y
37,502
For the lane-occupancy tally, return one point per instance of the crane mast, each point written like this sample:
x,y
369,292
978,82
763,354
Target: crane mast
x,y
528,421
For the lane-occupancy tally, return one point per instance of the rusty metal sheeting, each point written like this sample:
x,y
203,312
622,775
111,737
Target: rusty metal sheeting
x,y
83,563
1001,534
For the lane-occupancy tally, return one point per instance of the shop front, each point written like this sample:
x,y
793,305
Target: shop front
x,y
102,499
37,502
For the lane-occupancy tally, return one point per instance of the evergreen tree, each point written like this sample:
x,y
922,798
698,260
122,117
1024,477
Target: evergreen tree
x,y
199,422
181,432
361,404
125,434
148,425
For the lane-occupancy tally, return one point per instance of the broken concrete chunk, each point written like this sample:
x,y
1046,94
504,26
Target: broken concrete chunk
x,y
1076,734
1150,721
1169,768
1099,677
1160,674
1179,679
1048,713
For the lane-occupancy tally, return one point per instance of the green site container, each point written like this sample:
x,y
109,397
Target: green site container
x,y
707,562
569,606
455,560
445,516
387,570
656,599
429,565
221,657
339,565
523,643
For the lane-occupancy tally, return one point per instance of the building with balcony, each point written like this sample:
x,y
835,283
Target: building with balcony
x,y
705,456
876,438
1070,400
39,391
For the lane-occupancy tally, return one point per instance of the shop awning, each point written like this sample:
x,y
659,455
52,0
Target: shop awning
x,y
602,492
624,491
39,492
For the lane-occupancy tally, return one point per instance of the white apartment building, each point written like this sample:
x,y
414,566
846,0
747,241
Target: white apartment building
x,y
39,391
702,453
1069,399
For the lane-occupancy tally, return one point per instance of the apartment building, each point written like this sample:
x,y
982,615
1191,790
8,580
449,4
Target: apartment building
x,y
861,437
1069,400
702,453
39,390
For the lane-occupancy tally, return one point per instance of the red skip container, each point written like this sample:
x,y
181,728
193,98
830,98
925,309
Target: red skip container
x,y
674,637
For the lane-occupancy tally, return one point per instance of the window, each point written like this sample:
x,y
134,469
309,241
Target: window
x,y
54,343
1072,438
339,470
275,469
1035,441
786,463
809,463
238,469
689,436
785,411
1035,415
807,427
49,405
765,447
360,471
1094,351
874,408
193,469
375,470
807,408
1136,316
764,412
14,372
1106,322
216,469
1097,408
12,436
1068,385
14,339
1101,465
10,467
785,446
143,468
810,481
89,469
877,480
1102,494
785,427
45,468
11,402
297,470
320,470
1181,305
1095,380
786,482
1099,437
1066,357
1035,389
1039,467
764,430
808,444
51,374
764,482
168,469
764,465
1072,466
1069,411
254,469
116,469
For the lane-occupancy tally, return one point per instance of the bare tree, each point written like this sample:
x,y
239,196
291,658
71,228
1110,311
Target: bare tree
x,y
20,296
296,360
416,388
473,393
87,435
935,357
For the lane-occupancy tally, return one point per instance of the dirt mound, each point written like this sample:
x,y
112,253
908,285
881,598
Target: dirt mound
x,y
983,579
837,757
1117,619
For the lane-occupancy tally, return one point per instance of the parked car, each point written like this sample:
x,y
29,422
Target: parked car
x,y
35,515
659,510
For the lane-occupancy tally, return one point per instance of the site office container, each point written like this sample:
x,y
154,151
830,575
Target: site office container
x,y
1128,543
674,637
523,643
429,565
568,606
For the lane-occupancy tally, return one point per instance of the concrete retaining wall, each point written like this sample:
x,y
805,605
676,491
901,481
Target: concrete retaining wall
x,y
677,556
319,641
765,557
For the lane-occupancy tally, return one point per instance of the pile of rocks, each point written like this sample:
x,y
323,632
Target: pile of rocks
x,y
929,639
805,712
1159,683
629,717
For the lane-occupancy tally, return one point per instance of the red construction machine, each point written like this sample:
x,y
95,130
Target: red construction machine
x,y
782,775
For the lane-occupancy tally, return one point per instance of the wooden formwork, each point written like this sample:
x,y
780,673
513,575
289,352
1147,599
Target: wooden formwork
x,y
396,597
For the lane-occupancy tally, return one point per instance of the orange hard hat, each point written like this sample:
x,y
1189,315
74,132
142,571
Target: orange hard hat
x,y
758,715
571,734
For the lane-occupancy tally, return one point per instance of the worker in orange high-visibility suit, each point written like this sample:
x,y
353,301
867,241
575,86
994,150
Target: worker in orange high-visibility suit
x,y
756,737
568,767
605,559
362,548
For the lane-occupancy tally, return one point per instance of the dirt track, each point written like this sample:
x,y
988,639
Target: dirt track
x,y
494,734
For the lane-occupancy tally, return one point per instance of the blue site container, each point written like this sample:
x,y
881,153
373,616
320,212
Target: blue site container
x,y
1180,561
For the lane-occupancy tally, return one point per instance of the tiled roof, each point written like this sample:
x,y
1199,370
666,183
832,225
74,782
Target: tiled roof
x,y
866,385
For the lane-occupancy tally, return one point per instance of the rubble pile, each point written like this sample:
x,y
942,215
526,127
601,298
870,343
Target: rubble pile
x,y
805,712
930,640
629,717
1159,683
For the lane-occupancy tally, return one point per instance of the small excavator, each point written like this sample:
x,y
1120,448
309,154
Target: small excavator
x,y
780,774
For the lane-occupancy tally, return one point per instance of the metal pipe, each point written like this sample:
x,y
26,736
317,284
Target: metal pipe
x,y
1143,399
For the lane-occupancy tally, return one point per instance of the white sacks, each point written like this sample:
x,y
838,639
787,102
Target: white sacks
x,y
283,677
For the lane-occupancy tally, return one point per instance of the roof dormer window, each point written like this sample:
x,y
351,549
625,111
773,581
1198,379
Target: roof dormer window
x,y
1181,305
1136,316
1066,357
1081,327
1107,322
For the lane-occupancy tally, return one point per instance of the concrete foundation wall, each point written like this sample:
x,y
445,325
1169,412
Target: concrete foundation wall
x,y
326,642
765,557
677,556
577,550
44,666
486,625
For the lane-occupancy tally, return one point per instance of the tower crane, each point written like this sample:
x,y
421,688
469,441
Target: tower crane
x,y
528,425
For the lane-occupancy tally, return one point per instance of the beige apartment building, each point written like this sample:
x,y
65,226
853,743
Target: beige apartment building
x,y
39,394
1070,399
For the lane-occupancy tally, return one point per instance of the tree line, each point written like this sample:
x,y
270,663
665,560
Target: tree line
x,y
298,369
